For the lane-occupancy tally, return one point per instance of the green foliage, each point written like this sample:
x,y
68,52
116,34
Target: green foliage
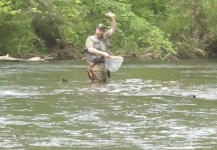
x,y
37,25
190,24
134,33
7,8
15,27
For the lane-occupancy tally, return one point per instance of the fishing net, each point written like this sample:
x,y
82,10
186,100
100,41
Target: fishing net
x,y
113,63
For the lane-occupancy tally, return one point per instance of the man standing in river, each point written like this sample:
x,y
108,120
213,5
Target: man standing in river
x,y
97,47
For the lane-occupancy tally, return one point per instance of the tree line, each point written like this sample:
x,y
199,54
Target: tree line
x,y
184,28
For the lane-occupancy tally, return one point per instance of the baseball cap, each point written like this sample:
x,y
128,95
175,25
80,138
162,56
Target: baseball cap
x,y
101,26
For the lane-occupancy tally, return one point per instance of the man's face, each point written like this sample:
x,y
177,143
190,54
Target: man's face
x,y
99,33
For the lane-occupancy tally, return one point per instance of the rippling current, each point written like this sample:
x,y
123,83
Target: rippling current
x,y
144,106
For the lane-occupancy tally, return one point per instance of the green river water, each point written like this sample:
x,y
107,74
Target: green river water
x,y
143,106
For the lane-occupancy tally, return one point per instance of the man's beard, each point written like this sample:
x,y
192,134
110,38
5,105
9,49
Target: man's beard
x,y
99,36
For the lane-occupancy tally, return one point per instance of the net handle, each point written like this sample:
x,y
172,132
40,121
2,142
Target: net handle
x,y
118,57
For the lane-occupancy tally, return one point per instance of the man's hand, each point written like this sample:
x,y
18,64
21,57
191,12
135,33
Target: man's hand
x,y
110,14
106,55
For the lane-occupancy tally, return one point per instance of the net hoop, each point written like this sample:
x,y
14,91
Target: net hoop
x,y
113,63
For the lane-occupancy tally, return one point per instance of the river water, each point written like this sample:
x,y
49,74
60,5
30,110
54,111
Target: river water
x,y
143,106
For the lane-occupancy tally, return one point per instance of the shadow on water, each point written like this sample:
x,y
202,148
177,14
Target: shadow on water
x,y
143,106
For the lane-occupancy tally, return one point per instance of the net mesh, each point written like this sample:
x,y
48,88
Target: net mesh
x,y
113,63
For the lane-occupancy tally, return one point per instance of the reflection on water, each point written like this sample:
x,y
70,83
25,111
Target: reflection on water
x,y
143,106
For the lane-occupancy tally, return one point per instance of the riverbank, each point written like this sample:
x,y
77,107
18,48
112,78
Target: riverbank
x,y
57,54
